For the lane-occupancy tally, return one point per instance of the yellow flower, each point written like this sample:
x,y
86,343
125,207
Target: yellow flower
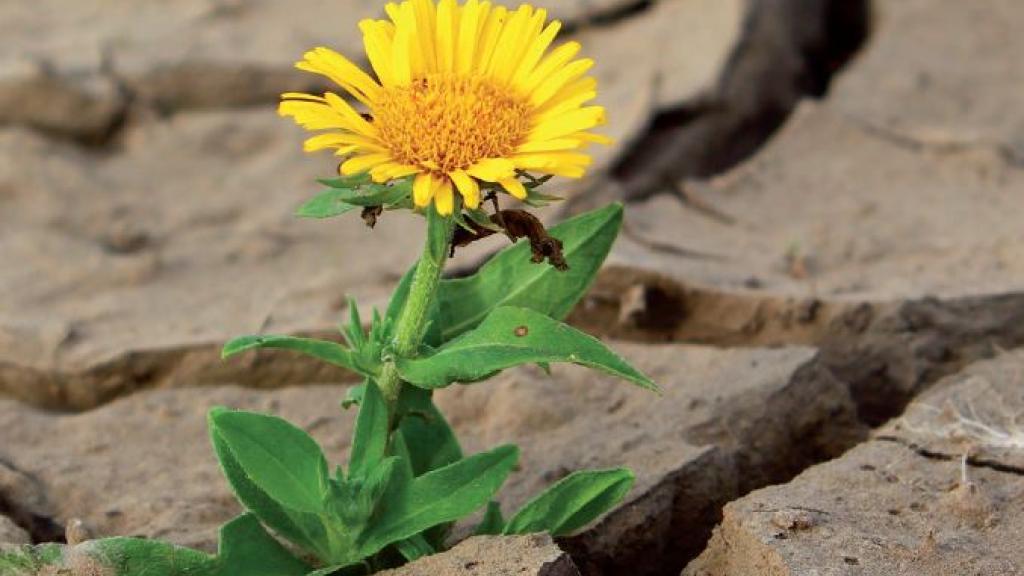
x,y
463,94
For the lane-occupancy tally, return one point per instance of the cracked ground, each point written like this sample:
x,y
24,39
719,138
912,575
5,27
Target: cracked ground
x,y
822,265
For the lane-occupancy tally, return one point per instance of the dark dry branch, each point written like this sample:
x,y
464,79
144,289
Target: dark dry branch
x,y
516,224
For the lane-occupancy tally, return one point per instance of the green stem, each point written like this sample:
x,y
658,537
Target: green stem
x,y
412,322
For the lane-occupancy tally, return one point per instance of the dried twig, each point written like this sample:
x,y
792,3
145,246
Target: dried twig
x,y
517,224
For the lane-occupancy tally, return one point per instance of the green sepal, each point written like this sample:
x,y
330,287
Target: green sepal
x,y
510,337
572,503
348,193
346,182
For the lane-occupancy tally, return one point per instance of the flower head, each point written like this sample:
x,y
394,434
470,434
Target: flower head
x,y
464,96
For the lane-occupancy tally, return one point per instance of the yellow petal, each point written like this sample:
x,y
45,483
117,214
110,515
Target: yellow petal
x,y
570,97
447,11
426,18
360,164
356,123
593,138
378,50
492,169
569,164
468,29
422,189
510,43
489,38
341,71
314,115
401,57
568,123
444,200
558,58
514,187
468,187
302,96
534,53
553,83
391,171
549,145
339,139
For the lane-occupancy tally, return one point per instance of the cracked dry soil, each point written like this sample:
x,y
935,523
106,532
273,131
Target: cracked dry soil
x,y
822,266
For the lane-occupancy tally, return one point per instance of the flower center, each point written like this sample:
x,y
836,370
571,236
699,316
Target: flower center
x,y
445,122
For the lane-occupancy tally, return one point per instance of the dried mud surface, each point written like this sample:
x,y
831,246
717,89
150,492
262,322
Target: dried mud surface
x,y
822,265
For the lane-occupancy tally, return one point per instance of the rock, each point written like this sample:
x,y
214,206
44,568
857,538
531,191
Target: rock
x,y
758,60
692,55
191,211
679,61
940,76
806,219
11,533
532,555
905,502
131,270
85,108
731,421
225,53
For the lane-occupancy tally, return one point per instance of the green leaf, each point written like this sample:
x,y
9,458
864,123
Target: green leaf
x,y
330,352
354,330
430,441
246,548
510,337
282,460
354,395
29,560
353,569
109,557
301,528
370,439
440,496
572,502
492,522
511,279
414,548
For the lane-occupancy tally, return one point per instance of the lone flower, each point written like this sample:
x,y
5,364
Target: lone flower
x,y
464,95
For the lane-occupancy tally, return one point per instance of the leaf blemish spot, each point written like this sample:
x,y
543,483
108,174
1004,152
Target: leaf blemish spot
x,y
521,331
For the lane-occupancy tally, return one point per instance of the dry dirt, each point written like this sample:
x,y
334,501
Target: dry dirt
x,y
822,266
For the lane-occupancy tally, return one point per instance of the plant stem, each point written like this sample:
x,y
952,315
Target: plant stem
x,y
412,322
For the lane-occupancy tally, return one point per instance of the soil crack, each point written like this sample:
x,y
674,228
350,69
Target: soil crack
x,y
22,500
972,461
